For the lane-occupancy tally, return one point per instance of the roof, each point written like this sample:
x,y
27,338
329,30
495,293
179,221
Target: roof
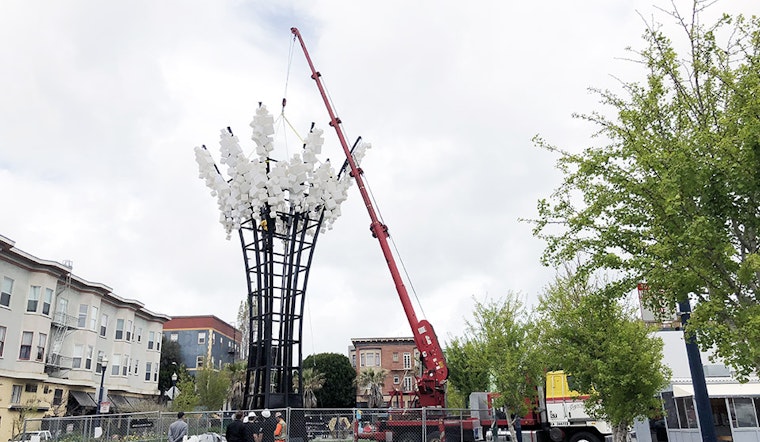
x,y
202,322
9,252
409,340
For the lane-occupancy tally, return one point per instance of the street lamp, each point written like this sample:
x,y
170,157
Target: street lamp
x,y
174,386
103,365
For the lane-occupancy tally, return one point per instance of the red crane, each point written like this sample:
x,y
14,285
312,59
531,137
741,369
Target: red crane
x,y
431,385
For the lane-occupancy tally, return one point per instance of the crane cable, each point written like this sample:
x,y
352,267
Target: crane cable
x,y
366,184
300,138
398,254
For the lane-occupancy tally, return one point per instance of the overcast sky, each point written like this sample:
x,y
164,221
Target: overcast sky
x,y
101,104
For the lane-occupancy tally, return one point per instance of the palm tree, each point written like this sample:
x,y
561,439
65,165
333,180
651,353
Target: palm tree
x,y
372,381
237,384
313,381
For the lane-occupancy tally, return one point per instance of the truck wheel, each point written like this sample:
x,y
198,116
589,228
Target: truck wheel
x,y
584,437
434,436
407,436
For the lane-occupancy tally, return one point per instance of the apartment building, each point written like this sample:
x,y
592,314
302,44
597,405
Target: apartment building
x,y
57,331
398,357
203,340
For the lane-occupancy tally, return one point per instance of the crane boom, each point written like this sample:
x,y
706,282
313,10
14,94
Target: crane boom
x,y
431,385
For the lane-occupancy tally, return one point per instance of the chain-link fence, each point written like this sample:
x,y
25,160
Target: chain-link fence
x,y
303,425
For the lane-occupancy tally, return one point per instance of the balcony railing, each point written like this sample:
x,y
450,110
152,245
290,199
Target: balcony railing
x,y
58,361
61,319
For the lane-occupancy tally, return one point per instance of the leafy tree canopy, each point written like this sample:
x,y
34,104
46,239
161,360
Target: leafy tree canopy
x,y
465,374
498,341
187,399
170,363
212,387
610,354
671,195
338,390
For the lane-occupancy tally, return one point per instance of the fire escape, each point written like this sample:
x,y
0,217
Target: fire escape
x,y
62,324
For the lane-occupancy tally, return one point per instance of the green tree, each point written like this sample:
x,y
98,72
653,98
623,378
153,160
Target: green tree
x,y
171,360
455,399
466,375
339,391
610,355
212,387
372,381
500,337
671,195
187,399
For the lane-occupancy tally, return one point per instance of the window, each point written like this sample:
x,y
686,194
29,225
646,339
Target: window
x,y
151,338
115,365
395,356
7,290
88,359
34,298
26,346
125,366
174,337
362,358
119,329
58,397
687,415
93,318
201,338
99,368
16,394
407,361
62,311
743,412
199,362
103,324
139,334
130,330
147,371
2,339
82,316
353,359
396,380
370,359
30,388
407,383
155,372
76,360
137,365
41,342
47,300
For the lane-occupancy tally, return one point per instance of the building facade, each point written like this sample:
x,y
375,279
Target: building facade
x,y
203,341
56,330
398,357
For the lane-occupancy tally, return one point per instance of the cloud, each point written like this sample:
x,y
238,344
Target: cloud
x,y
104,102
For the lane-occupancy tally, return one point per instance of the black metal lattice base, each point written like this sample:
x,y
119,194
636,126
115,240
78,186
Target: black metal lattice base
x,y
277,265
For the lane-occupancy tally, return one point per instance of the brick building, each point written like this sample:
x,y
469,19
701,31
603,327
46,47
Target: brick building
x,y
398,356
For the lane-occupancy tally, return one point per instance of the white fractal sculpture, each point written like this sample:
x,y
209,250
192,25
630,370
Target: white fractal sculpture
x,y
303,185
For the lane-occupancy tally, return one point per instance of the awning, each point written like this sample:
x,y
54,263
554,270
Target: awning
x,y
733,389
119,401
82,398
106,398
